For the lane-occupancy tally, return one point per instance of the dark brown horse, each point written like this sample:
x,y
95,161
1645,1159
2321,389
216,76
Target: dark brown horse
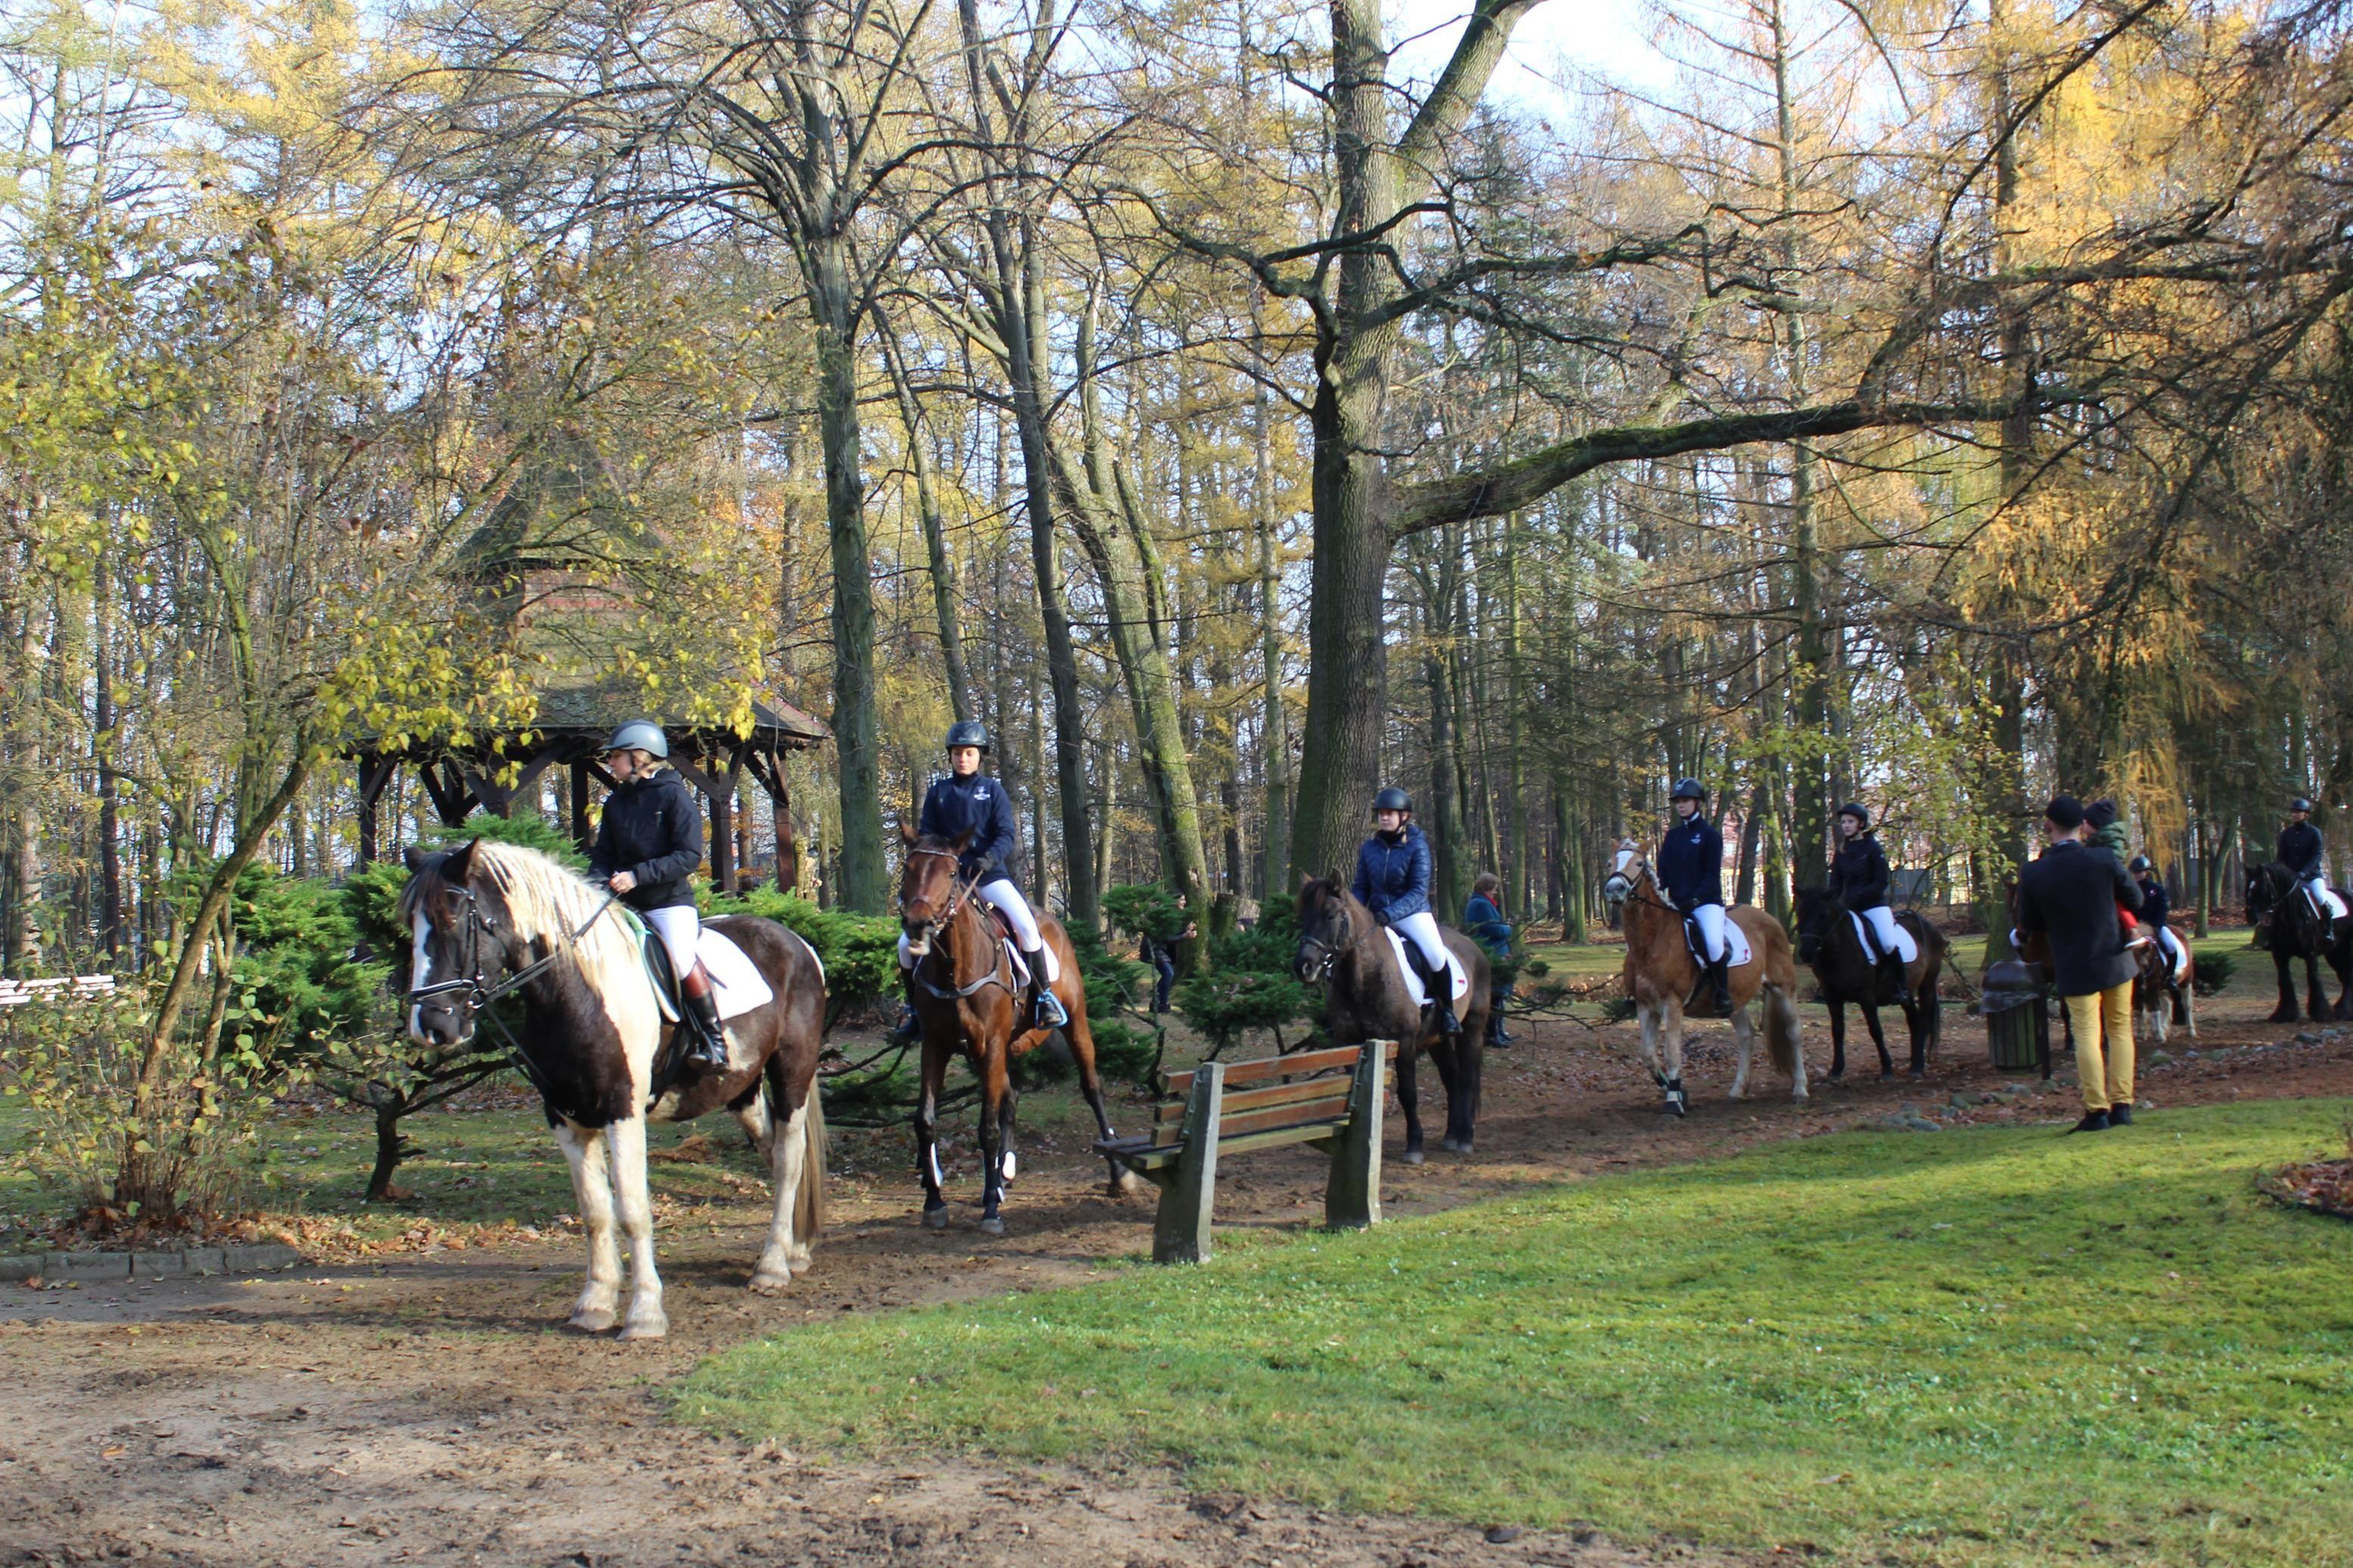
x,y
967,999
1343,948
1828,941
2288,927
491,919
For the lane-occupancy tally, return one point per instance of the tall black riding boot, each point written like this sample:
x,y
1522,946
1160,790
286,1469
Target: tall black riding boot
x,y
1046,1009
708,1044
1894,966
1719,979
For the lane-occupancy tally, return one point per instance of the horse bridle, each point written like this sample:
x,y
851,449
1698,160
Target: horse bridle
x,y
1641,863
477,995
1327,951
963,887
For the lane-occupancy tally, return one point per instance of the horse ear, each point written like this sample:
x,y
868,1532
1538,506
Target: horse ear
x,y
416,860
907,834
963,841
460,863
1333,876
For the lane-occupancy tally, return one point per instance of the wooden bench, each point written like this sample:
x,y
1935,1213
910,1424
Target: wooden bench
x,y
1330,1099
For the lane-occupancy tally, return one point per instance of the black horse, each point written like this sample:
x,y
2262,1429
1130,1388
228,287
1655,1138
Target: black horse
x,y
1828,941
2289,928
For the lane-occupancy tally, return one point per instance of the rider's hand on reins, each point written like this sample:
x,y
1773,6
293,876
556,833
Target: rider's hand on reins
x,y
622,881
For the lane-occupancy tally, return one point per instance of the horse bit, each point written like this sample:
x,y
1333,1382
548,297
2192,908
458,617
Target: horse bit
x,y
479,996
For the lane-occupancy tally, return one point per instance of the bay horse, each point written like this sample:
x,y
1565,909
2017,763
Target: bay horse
x,y
1343,948
1828,941
967,999
1660,973
2153,1004
2288,927
491,920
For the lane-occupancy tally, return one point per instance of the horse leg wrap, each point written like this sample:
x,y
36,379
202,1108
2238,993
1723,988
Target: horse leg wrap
x,y
1676,1099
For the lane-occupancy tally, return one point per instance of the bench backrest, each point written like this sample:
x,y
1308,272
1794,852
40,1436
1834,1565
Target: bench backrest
x,y
1300,1089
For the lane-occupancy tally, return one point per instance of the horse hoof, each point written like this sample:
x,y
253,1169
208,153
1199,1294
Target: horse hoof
x,y
1885,1074
771,1284
992,1225
1413,1156
653,1329
1837,1075
1918,1075
2282,1015
937,1219
595,1323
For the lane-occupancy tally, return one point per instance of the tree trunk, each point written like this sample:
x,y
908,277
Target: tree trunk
x,y
1276,725
945,608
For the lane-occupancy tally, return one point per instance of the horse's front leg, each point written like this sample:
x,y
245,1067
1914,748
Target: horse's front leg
x,y
627,1141
2286,1013
598,1307
1870,1011
1671,1042
934,1075
1837,1038
1443,1057
1463,1094
1916,1024
1408,1095
2315,993
996,1089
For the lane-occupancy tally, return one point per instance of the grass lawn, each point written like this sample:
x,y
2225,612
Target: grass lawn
x,y
1988,1346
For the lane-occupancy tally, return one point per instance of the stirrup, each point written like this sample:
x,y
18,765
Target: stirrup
x,y
1048,1012
906,1030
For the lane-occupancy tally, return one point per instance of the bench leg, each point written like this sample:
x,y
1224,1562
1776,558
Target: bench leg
x,y
1181,1234
1352,1199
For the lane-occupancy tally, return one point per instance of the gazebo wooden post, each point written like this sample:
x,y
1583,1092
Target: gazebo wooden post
x,y
768,767
375,772
582,834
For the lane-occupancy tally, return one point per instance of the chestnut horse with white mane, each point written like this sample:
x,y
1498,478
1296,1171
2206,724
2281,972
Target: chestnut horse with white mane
x,y
1661,974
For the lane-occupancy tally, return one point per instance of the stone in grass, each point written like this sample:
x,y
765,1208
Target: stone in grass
x,y
1503,1534
2159,1059
2307,1037
1921,1125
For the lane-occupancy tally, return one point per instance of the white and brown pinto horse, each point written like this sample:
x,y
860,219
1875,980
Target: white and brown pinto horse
x,y
1661,974
491,920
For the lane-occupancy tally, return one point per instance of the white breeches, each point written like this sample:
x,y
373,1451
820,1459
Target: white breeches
x,y
679,928
1421,930
1709,920
1890,937
2170,944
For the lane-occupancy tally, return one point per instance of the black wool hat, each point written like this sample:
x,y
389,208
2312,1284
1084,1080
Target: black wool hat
x,y
2065,810
2099,813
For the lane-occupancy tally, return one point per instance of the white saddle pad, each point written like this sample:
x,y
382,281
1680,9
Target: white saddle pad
x,y
2335,905
2180,951
1736,944
1905,948
1454,971
735,981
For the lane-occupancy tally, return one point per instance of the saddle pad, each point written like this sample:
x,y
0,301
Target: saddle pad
x,y
1736,944
2180,950
1413,988
736,982
1905,948
2329,896
1020,959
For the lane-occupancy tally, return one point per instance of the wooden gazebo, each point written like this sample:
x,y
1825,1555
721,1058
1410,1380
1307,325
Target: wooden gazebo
x,y
572,724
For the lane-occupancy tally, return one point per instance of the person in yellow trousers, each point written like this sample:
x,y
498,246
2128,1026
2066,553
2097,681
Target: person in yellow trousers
x,y
2071,895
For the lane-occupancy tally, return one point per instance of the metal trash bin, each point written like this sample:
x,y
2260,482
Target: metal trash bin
x,y
2017,1008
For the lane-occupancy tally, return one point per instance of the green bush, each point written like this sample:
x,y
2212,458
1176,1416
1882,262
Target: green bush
x,y
299,982
1123,1052
861,952
1144,908
1248,983
2214,968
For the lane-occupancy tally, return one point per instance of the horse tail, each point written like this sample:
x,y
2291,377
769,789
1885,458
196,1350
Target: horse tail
x,y
808,1203
1781,1029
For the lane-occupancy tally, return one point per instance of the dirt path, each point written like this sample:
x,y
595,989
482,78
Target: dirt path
x,y
436,1411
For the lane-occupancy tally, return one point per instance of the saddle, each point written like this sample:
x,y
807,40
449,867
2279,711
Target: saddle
x,y
1007,940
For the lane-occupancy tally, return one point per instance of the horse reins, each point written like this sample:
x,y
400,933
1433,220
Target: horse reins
x,y
479,996
948,913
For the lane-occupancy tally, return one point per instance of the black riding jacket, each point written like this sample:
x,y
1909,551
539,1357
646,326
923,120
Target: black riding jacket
x,y
1691,863
651,828
1859,873
982,806
2156,903
2300,851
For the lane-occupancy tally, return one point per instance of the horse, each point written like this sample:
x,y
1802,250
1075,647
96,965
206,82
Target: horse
x,y
2288,927
1660,973
1348,952
1828,941
967,1000
491,920
2152,1003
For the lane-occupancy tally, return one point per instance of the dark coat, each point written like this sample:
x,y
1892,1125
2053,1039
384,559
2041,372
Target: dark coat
x,y
1691,863
2156,903
981,805
652,828
2300,851
1393,875
1485,924
1859,873
2071,895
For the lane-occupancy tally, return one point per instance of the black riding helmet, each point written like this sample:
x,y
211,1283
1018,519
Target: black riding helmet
x,y
1855,810
2299,804
968,732
2141,863
1688,789
1393,799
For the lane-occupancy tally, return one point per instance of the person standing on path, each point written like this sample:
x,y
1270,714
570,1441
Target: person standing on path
x,y
2072,895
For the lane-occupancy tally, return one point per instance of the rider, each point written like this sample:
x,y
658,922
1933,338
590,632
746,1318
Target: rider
x,y
1484,922
968,801
1393,881
649,843
1690,870
1859,880
2156,904
2302,852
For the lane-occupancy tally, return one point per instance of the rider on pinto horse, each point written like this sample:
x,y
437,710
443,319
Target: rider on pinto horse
x,y
649,843
1691,871
969,800
1393,874
1858,882
2155,905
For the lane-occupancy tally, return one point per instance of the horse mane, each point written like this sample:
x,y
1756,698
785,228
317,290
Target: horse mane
x,y
545,900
